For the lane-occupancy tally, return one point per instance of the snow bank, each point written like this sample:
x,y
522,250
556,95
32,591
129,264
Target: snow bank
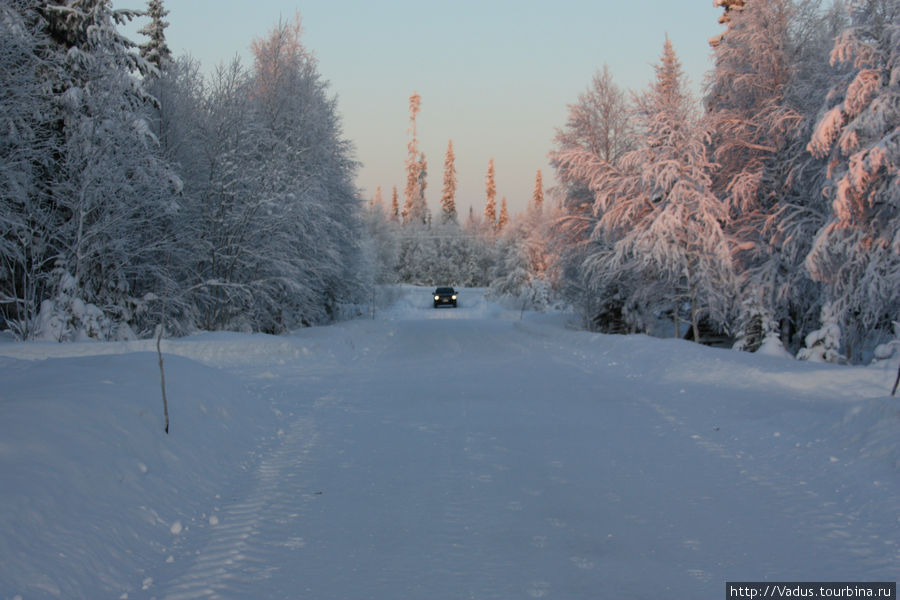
x,y
870,429
93,489
218,349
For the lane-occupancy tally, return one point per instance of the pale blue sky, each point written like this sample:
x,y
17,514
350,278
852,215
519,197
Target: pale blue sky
x,y
494,75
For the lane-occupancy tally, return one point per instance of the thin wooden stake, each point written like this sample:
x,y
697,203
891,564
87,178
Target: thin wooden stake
x,y
162,377
896,381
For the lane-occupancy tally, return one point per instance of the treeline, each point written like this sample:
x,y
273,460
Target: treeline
x,y
508,253
771,215
135,191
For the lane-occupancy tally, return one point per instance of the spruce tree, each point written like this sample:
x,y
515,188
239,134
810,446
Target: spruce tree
x,y
448,194
537,198
395,206
377,200
411,194
659,211
420,213
155,50
503,219
490,206
471,220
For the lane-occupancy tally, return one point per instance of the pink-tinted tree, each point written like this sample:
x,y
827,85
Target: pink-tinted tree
x,y
857,253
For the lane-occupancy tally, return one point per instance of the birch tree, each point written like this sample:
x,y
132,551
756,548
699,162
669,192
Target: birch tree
x,y
598,132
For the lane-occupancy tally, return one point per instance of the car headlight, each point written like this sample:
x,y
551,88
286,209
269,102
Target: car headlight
x,y
453,296
437,297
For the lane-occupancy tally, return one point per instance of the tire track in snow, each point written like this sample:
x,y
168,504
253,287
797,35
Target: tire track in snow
x,y
234,555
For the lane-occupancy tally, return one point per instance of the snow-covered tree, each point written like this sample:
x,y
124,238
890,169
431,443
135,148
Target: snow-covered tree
x,y
537,198
155,50
781,281
520,265
222,209
598,124
308,183
757,327
179,95
274,221
413,205
766,81
598,132
109,180
260,228
444,254
889,351
448,193
490,205
857,253
725,18
748,113
471,220
377,199
513,279
395,206
503,218
418,254
28,138
383,243
824,344
659,210
420,211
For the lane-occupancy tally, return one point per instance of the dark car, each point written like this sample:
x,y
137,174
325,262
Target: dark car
x,y
444,295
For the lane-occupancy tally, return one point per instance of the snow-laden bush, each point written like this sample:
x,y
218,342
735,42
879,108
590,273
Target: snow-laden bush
x,y
888,351
68,318
516,281
824,344
528,294
759,331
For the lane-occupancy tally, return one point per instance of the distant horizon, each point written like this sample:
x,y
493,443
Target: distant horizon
x,y
498,85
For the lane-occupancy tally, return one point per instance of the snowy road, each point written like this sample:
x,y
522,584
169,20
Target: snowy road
x,y
454,454
471,454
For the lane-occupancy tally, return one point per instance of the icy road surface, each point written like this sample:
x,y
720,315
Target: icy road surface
x,y
471,453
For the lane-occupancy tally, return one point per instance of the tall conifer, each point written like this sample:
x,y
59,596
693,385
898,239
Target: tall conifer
x,y
411,193
395,206
448,194
490,206
155,50
857,253
659,209
537,198
503,219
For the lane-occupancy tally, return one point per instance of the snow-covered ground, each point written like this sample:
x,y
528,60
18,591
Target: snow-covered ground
x,y
453,453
